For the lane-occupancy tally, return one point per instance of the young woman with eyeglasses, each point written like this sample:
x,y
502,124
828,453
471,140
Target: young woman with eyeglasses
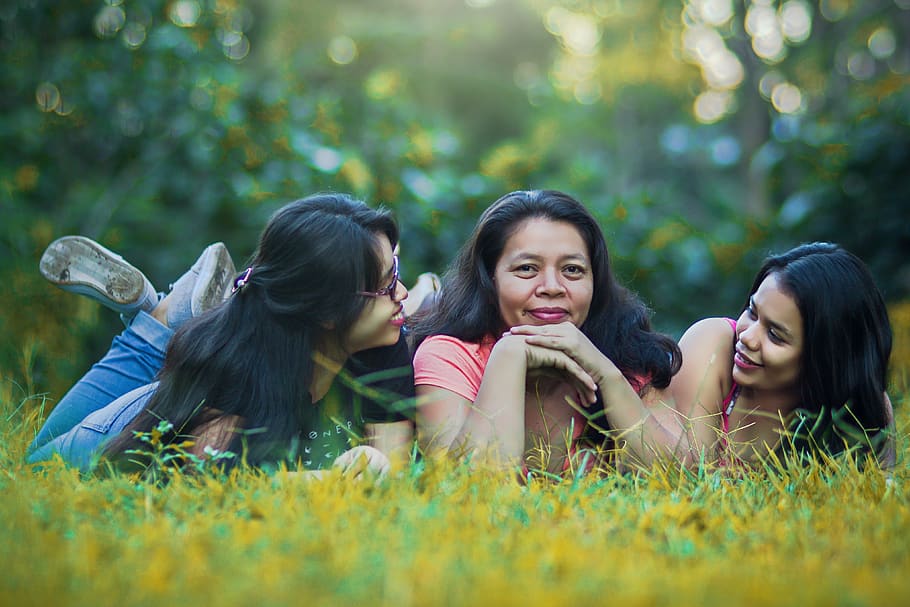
x,y
303,363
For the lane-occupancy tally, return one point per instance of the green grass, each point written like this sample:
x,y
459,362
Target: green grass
x,y
441,535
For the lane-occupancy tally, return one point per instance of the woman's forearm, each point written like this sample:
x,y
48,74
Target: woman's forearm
x,y
650,431
496,420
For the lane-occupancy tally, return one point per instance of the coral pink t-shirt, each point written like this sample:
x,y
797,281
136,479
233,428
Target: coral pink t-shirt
x,y
450,363
447,362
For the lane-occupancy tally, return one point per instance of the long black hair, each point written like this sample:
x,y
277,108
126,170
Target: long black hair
x,y
618,322
250,361
846,346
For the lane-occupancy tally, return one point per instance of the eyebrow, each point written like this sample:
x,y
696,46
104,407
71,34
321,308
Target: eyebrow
x,y
538,257
774,325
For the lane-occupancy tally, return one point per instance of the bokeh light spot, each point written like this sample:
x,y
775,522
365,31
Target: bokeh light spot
x,y
587,92
47,96
769,47
419,183
882,43
236,46
702,42
134,35
725,151
383,84
786,98
184,13
327,160
768,82
579,32
723,70
760,20
834,10
795,209
675,139
861,65
710,106
342,50
796,20
554,18
473,185
785,127
715,12
108,21
64,107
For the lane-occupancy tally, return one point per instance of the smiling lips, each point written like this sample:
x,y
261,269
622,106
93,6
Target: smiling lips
x,y
744,362
398,318
549,315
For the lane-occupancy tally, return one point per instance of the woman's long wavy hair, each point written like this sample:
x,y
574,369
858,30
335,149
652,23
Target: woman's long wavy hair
x,y
846,347
250,362
618,322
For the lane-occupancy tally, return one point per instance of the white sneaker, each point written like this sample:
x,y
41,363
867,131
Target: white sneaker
x,y
202,287
81,265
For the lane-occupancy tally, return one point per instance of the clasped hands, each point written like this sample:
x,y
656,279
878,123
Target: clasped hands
x,y
566,349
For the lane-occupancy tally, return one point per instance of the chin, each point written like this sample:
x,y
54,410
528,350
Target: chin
x,y
741,378
386,340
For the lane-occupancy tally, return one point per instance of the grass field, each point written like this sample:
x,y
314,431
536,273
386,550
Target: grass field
x,y
440,535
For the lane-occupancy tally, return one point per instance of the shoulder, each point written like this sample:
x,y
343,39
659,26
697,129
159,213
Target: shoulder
x,y
710,331
451,363
710,341
706,374
444,346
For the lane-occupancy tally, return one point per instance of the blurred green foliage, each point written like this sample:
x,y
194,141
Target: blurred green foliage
x,y
160,126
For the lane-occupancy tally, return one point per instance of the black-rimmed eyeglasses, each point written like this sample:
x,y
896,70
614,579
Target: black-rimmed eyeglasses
x,y
389,290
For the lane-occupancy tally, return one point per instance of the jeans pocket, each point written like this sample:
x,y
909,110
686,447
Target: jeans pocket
x,y
118,414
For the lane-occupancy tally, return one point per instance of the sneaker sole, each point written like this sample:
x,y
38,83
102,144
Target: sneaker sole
x,y
214,279
80,265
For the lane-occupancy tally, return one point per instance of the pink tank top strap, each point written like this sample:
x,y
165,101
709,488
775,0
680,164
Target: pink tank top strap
x,y
730,399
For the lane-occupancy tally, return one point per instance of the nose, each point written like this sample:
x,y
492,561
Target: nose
x,y
550,283
401,292
749,336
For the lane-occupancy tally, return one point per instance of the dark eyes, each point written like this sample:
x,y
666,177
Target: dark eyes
x,y
772,334
572,270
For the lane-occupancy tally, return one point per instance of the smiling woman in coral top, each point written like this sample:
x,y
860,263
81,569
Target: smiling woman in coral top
x,y
533,349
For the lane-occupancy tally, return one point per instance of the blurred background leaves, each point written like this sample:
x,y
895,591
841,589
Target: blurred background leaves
x,y
702,133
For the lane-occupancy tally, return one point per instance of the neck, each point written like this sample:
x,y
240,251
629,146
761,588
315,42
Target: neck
x,y
327,363
778,403
759,419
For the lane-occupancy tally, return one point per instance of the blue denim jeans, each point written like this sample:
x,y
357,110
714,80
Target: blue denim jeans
x,y
107,398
